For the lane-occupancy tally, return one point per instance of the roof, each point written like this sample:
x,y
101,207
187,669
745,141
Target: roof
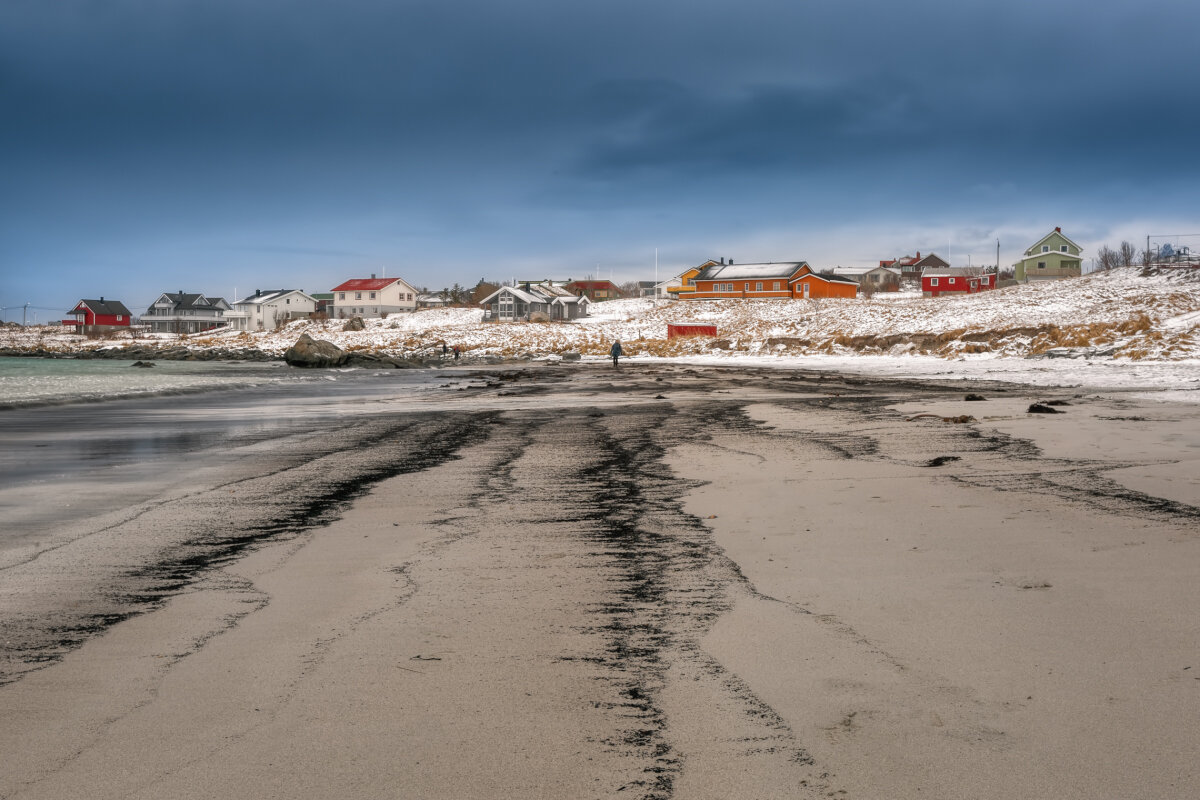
x,y
186,300
828,278
892,270
594,284
263,295
520,294
104,307
367,284
1030,250
735,272
952,272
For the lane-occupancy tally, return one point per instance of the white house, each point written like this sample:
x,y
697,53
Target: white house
x,y
373,297
184,312
266,309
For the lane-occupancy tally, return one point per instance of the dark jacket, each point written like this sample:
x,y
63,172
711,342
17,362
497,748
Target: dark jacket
x,y
616,349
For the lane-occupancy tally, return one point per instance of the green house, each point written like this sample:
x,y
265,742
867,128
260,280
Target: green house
x,y
1052,257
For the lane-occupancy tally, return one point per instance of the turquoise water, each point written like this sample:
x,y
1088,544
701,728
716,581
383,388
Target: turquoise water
x,y
48,381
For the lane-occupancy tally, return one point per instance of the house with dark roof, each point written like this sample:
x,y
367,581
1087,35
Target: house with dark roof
x,y
534,302
911,267
184,312
594,290
373,297
98,316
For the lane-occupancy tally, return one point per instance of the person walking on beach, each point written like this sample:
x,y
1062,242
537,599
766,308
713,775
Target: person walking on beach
x,y
615,352
456,352
444,351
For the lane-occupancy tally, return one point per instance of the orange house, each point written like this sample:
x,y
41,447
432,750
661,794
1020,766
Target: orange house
x,y
807,284
721,281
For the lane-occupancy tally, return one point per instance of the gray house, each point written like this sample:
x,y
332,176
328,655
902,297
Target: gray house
x,y
533,302
183,312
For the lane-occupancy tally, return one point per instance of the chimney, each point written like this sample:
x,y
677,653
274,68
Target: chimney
x,y
731,262
101,298
722,261
372,276
1057,230
918,255
257,292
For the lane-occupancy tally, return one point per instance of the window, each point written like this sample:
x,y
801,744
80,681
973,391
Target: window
x,y
933,281
1062,249
358,295
952,280
1045,248
341,295
777,286
288,301
1041,265
372,295
119,317
758,286
409,294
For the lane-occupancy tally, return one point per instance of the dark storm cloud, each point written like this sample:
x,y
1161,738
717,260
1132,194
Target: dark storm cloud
x,y
416,121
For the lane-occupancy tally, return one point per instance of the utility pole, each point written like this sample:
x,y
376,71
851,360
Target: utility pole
x,y
656,276
997,259
24,313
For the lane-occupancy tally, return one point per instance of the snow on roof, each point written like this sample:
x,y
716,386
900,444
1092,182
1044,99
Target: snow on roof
x,y
734,272
951,272
363,284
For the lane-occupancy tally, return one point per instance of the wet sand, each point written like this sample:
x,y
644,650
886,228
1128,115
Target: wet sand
x,y
660,582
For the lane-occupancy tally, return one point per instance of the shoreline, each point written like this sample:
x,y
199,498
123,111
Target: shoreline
x,y
672,581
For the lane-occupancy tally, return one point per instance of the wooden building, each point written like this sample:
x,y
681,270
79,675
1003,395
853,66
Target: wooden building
x,y
98,316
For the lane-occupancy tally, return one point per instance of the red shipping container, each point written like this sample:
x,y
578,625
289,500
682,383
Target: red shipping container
x,y
690,330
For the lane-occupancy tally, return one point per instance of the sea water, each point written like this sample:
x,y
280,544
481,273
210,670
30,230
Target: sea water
x,y
51,381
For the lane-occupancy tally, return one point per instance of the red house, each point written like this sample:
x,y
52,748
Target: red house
x,y
96,316
958,280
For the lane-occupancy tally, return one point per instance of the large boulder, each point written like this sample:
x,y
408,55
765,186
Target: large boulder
x,y
310,352
354,324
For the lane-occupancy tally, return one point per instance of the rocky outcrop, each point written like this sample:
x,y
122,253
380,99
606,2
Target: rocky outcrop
x,y
354,324
310,352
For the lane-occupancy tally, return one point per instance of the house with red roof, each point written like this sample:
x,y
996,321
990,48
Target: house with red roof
x,y
98,316
372,297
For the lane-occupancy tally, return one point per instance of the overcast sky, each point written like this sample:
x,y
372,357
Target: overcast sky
x,y
158,145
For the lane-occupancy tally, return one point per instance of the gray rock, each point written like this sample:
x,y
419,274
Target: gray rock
x,y
570,356
354,324
310,352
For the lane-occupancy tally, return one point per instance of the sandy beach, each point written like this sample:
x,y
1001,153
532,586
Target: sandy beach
x,y
663,581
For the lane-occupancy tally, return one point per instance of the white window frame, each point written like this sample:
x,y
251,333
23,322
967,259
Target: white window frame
x,y
1045,248
1062,249
1041,265
758,286
776,289
341,295
933,281
952,281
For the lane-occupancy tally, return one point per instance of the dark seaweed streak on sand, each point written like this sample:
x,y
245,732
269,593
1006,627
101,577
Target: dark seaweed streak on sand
x,y
294,499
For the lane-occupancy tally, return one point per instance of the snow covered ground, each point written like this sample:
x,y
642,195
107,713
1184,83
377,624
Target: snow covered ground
x,y
1134,330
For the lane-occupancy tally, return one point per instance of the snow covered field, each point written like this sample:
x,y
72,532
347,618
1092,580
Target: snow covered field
x,y
1122,321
